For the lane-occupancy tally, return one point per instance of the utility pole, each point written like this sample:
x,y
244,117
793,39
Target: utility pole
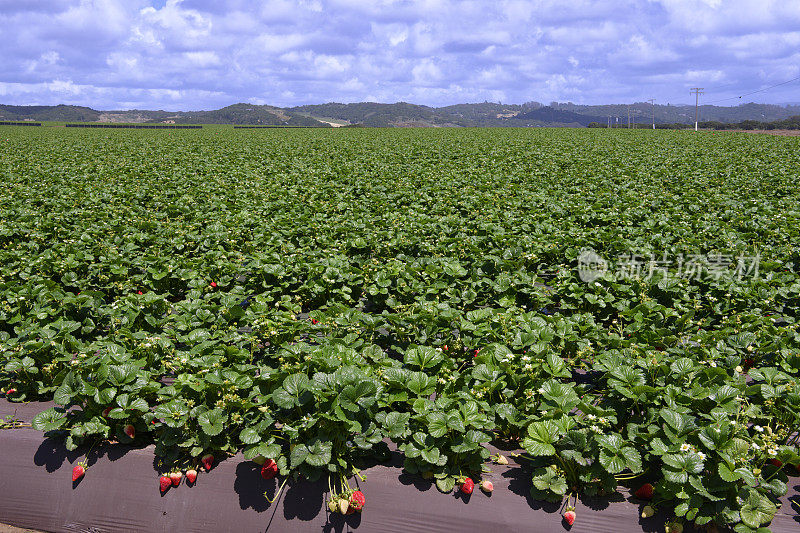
x,y
697,91
653,104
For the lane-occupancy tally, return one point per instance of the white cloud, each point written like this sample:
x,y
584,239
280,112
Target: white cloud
x,y
185,53
202,59
426,72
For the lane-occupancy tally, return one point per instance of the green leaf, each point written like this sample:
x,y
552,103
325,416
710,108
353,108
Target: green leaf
x,y
541,436
319,453
396,424
437,424
423,357
249,436
298,455
757,510
445,484
212,422
49,420
727,474
431,455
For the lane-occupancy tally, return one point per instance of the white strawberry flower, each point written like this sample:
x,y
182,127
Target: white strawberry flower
x,y
772,451
755,446
701,455
685,447
759,429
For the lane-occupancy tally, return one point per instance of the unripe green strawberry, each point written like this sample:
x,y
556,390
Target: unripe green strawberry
x,y
333,506
648,511
674,527
344,504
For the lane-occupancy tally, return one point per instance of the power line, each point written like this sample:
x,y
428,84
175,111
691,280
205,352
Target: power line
x,y
697,92
754,92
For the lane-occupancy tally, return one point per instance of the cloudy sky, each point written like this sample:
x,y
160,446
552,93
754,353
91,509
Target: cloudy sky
x,y
205,54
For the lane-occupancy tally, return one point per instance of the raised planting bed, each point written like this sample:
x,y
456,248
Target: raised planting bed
x,y
120,492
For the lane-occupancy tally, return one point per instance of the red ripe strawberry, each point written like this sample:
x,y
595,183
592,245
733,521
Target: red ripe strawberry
x,y
175,477
569,517
106,411
191,475
475,353
139,292
444,348
467,486
487,486
269,470
129,430
776,462
164,482
645,492
748,363
213,284
78,471
9,392
314,321
208,461
357,501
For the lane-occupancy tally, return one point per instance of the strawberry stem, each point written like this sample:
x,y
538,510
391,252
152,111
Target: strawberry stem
x,y
277,493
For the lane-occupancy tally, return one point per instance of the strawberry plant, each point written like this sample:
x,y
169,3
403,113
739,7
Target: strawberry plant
x,y
315,305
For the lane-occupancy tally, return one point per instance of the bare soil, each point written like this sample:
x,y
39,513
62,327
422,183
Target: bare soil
x,y
11,529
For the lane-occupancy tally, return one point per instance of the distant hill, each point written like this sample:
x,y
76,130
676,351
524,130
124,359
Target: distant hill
x,y
549,114
51,113
404,114
377,115
642,112
249,114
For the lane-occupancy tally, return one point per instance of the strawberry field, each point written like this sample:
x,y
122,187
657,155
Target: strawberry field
x,y
320,300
